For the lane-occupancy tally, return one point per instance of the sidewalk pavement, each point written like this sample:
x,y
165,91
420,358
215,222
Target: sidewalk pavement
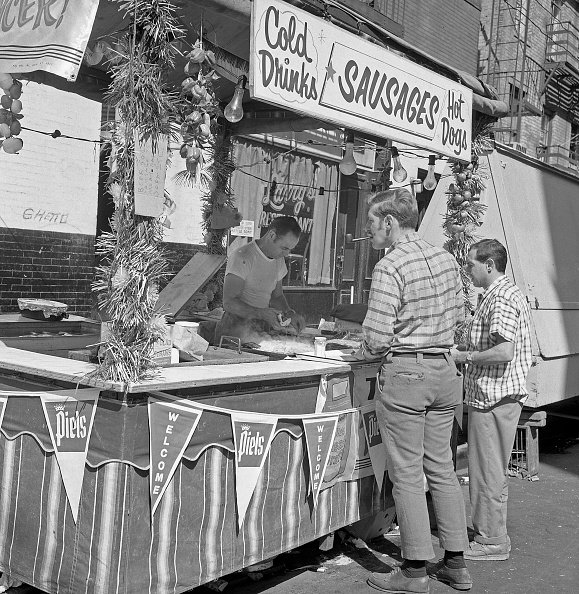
x,y
543,523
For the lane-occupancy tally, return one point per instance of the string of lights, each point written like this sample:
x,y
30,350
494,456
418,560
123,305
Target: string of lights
x,y
59,134
357,147
322,190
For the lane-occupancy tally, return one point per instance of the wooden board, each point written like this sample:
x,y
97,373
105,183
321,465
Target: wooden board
x,y
188,281
170,378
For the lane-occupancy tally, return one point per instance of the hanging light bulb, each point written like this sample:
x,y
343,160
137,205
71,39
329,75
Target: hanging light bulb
x,y
430,181
234,110
348,164
399,173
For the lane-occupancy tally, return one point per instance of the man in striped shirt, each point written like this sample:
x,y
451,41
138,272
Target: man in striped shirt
x,y
415,305
498,357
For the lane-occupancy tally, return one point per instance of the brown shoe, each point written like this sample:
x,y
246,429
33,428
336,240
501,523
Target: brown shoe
x,y
477,551
396,582
459,579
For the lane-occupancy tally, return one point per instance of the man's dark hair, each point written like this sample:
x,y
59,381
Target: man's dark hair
x,y
491,249
285,225
399,203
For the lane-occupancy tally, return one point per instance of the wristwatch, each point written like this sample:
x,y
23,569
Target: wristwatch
x,y
469,356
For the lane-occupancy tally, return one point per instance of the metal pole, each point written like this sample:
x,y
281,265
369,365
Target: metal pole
x,y
522,87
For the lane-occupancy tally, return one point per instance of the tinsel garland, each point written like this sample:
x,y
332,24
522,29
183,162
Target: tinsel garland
x,y
464,211
132,260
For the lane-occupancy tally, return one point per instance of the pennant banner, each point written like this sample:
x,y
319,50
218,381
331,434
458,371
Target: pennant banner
x,y
50,36
376,447
252,435
3,402
320,434
171,427
69,416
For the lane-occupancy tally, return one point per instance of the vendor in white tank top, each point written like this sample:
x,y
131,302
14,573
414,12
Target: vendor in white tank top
x,y
253,294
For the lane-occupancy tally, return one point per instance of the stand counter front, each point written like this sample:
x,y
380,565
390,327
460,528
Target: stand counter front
x,y
116,543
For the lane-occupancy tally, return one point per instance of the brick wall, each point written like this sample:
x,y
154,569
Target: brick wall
x,y
445,29
46,265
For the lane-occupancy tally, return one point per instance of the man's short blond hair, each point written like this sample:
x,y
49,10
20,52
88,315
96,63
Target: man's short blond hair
x,y
398,202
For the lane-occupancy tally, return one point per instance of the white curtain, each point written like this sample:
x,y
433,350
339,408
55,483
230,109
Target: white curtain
x,y
252,166
320,266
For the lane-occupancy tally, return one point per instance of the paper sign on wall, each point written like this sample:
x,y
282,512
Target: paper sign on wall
x,y
244,229
171,427
376,447
252,435
150,172
320,434
69,415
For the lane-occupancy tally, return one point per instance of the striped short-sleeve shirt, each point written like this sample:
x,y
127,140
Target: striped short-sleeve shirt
x,y
416,300
503,311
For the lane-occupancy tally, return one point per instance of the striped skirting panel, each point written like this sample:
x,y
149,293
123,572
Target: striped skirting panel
x,y
116,547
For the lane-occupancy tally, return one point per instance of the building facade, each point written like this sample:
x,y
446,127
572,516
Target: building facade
x,y
529,51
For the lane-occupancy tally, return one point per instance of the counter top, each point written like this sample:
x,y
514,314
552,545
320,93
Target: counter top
x,y
170,378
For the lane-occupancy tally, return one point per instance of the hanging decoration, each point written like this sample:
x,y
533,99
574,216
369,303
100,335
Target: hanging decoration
x,y
198,109
10,115
465,211
138,91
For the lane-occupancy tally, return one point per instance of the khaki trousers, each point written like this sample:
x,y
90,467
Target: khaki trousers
x,y
415,409
491,434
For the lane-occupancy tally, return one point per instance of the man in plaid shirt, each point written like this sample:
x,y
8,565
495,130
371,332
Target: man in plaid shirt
x,y
416,302
498,357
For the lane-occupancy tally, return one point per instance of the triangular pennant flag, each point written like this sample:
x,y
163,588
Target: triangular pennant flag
x,y
376,447
252,435
69,416
171,426
3,402
320,434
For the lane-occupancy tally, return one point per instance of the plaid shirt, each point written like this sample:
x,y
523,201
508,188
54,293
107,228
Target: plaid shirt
x,y
503,310
416,300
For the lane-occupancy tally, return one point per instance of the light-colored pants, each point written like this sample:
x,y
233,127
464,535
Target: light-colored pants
x,y
415,409
491,434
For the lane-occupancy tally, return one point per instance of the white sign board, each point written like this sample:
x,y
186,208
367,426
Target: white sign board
x,y
150,171
306,64
244,229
